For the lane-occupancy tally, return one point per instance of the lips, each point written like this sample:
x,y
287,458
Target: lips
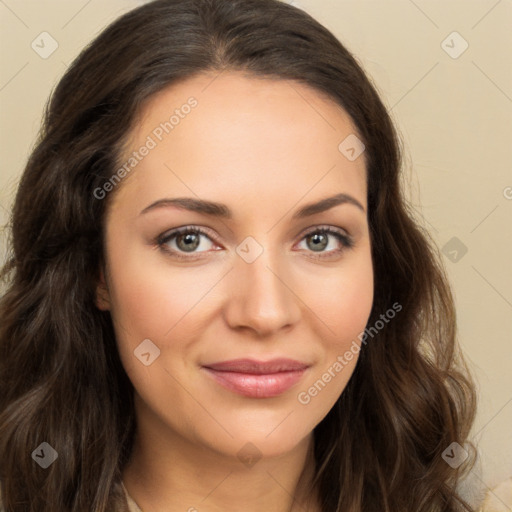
x,y
257,379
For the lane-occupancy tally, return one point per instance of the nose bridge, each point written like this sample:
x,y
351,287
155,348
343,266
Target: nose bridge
x,y
260,296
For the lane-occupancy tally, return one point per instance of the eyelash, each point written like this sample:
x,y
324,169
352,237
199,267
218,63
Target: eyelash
x,y
161,241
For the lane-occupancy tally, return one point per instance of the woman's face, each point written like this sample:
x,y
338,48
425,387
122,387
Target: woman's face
x,y
256,279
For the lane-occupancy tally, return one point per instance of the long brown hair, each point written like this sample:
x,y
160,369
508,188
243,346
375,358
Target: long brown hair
x,y
380,447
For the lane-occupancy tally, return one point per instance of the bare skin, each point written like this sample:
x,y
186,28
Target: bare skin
x,y
265,149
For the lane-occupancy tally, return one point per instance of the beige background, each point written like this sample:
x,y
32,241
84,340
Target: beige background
x,y
455,117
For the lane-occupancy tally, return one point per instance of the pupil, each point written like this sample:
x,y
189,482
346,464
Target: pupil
x,y
191,241
323,241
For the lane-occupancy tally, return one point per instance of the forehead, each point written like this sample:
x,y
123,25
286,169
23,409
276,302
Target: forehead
x,y
229,130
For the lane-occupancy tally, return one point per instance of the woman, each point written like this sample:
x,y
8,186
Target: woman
x,y
218,297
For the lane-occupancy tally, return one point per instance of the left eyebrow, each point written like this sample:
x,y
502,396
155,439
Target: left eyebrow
x,y
221,210
193,205
327,204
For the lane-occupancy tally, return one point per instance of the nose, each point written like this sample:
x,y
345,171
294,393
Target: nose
x,y
261,297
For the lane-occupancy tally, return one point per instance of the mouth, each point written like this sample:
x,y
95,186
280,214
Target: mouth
x,y
257,379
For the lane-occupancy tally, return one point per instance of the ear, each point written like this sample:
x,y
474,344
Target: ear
x,y
102,293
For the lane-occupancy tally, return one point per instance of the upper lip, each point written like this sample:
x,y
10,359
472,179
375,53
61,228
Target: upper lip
x,y
253,366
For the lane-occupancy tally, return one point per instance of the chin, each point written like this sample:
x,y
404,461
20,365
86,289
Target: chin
x,y
259,440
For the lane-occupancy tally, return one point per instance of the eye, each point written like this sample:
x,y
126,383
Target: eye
x,y
317,240
184,240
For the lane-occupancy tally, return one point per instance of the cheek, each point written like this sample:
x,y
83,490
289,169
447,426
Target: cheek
x,y
149,296
341,302
341,308
151,299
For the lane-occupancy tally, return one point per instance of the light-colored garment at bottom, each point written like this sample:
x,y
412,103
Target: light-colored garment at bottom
x,y
132,506
499,499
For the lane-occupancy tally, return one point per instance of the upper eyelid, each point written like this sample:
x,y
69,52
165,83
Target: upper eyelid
x,y
325,227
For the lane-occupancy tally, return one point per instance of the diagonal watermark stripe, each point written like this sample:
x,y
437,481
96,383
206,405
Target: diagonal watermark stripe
x,y
334,334
492,81
13,13
492,211
309,103
280,423
486,14
424,13
502,296
489,490
76,14
415,85
492,419
216,487
199,403
205,294
300,199
14,76
212,80
286,491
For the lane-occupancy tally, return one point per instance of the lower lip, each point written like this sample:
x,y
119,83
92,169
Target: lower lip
x,y
257,386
